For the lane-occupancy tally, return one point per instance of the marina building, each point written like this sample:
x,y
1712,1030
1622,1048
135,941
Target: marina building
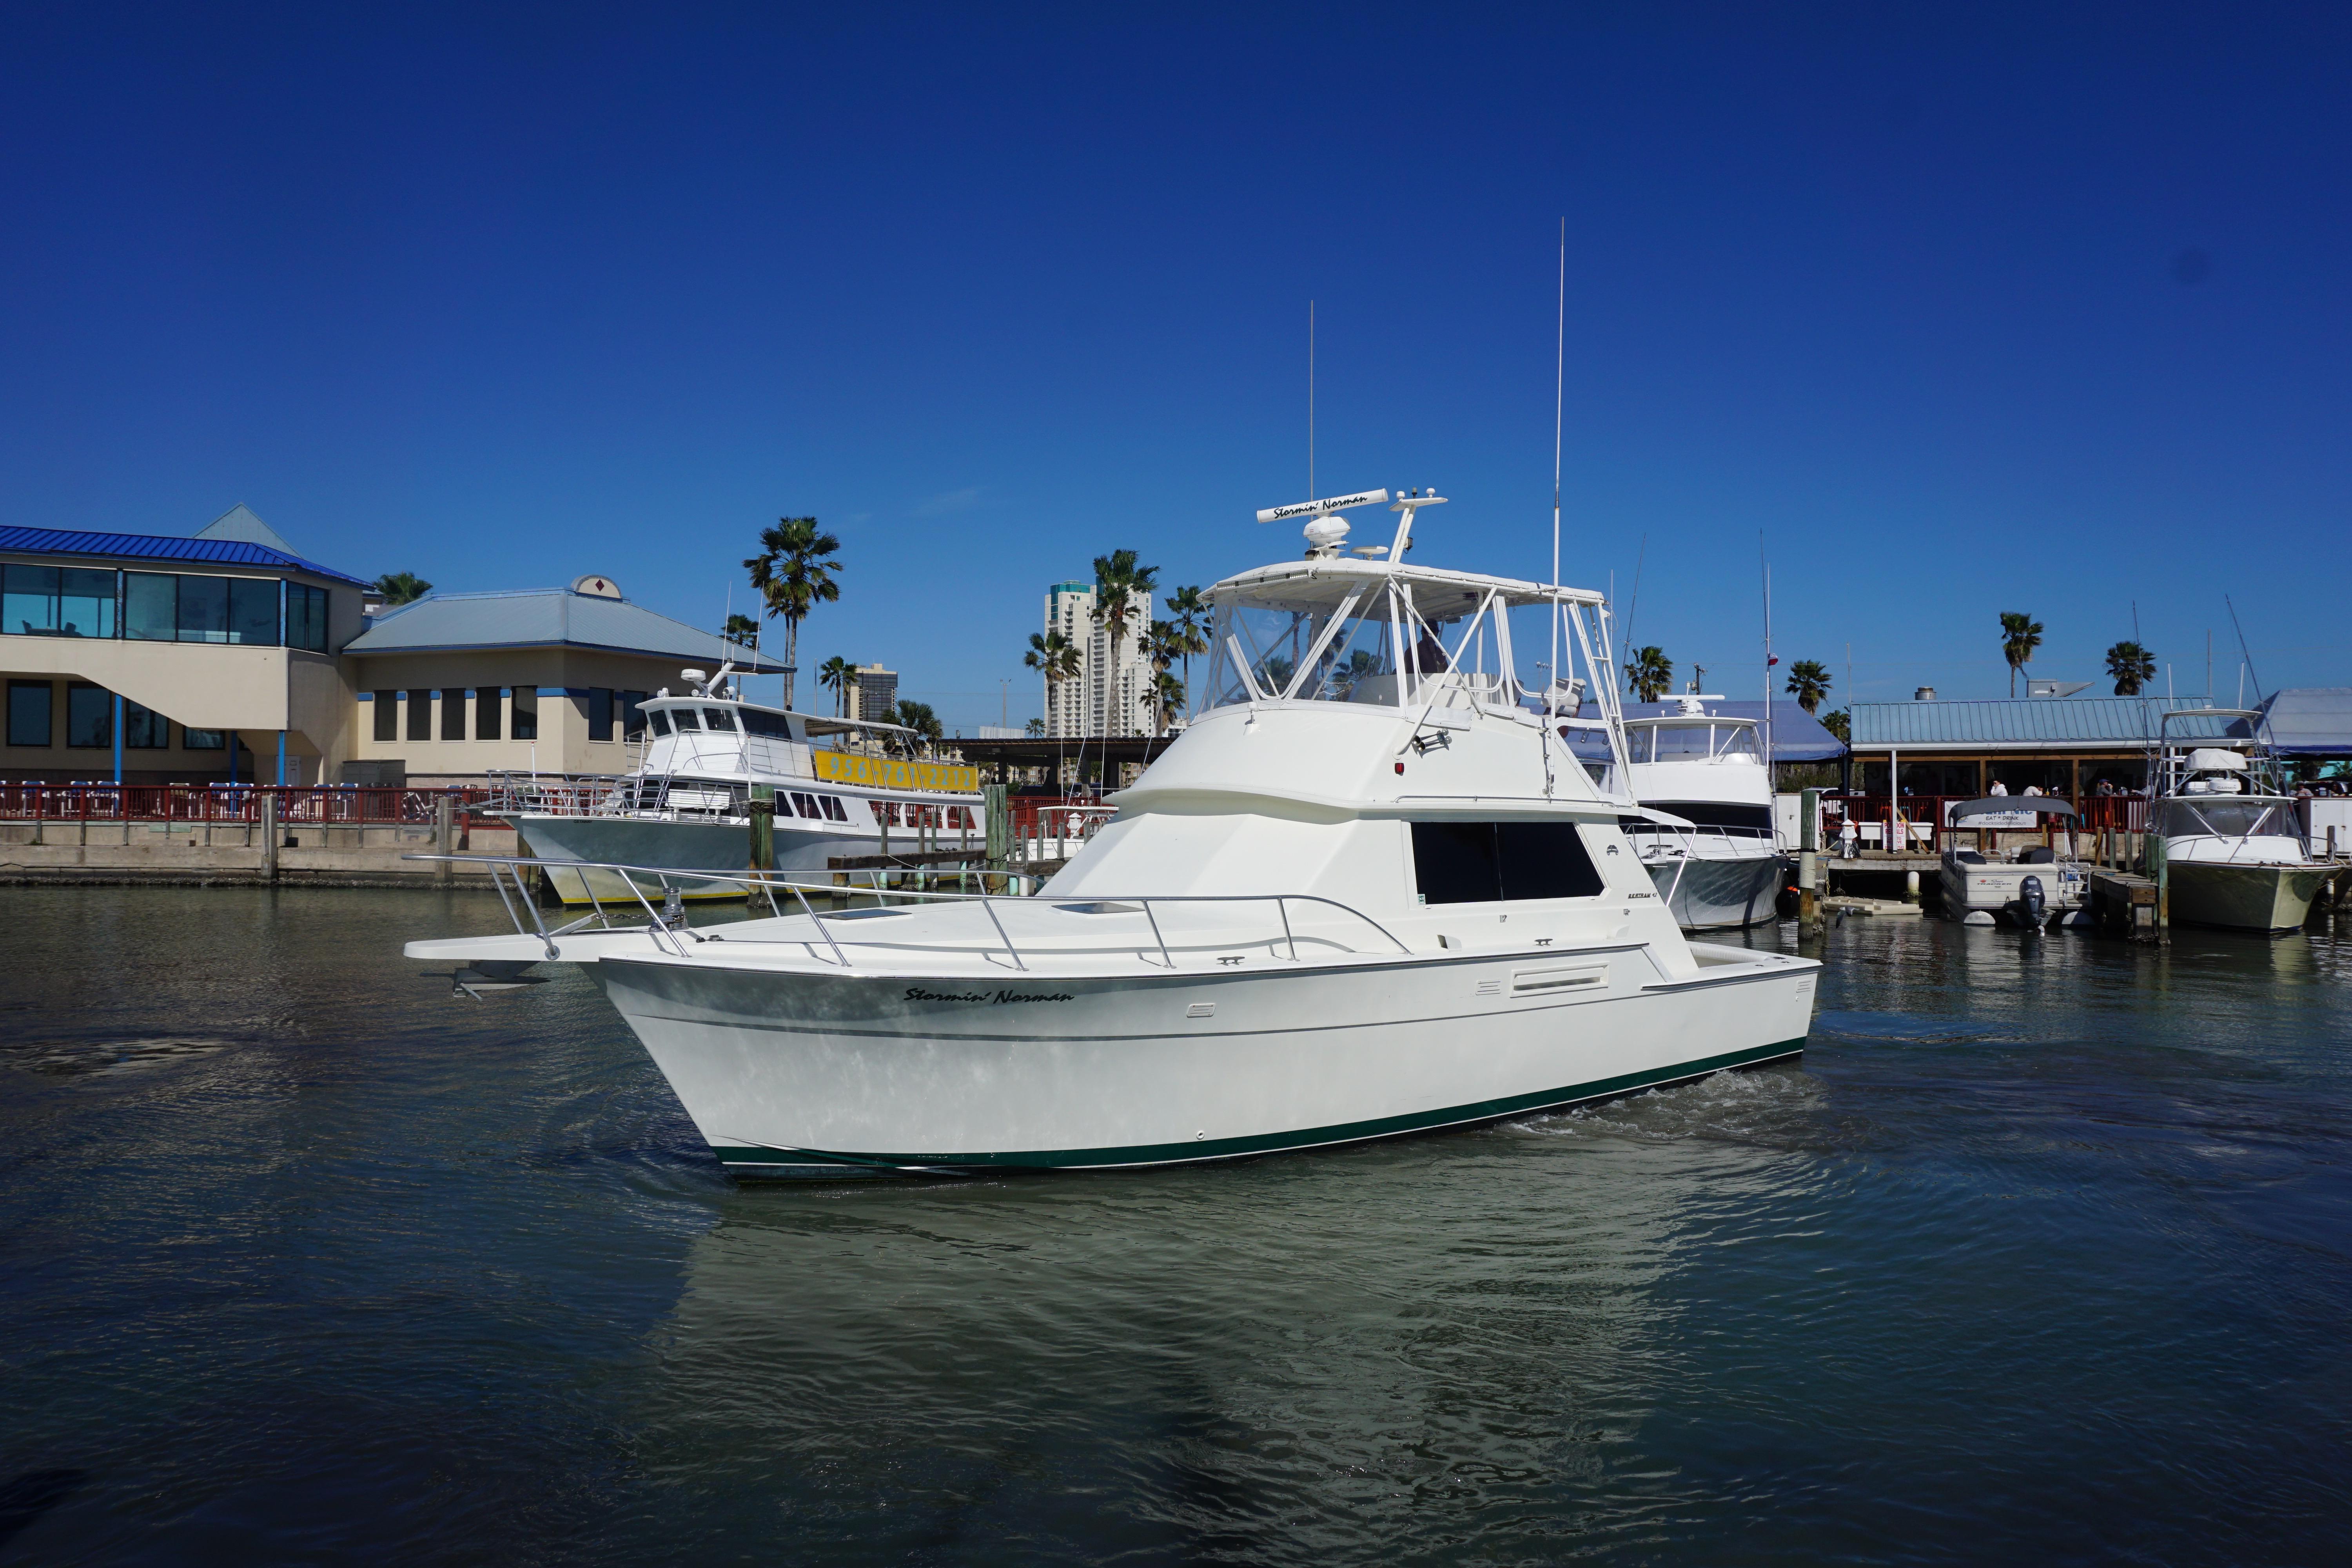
x,y
228,657
1100,699
2065,746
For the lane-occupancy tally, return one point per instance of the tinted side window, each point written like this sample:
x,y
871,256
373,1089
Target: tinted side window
x,y
1545,860
1485,862
1453,863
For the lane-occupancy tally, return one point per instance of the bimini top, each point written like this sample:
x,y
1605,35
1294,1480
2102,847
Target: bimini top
x,y
1323,584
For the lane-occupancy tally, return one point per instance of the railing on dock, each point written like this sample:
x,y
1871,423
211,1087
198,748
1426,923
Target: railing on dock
x,y
203,805
1922,823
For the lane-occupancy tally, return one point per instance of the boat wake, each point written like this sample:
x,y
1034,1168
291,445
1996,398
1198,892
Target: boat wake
x,y
1774,1104
77,1058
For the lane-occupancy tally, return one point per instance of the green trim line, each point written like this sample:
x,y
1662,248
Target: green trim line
x,y
745,1161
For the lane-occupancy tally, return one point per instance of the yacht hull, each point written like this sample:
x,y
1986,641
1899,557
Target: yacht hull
x,y
1710,894
2248,896
688,846
831,1075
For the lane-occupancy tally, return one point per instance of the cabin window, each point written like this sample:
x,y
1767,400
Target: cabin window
x,y
658,721
1490,862
685,719
806,805
773,725
716,719
1684,744
1753,820
833,810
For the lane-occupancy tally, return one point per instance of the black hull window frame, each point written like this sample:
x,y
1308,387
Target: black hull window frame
x,y
1463,862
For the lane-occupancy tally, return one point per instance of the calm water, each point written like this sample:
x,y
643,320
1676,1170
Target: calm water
x,y
2044,1254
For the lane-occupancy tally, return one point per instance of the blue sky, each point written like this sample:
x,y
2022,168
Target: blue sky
x,y
1964,310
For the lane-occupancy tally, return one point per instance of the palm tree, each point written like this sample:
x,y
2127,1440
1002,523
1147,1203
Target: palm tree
x,y
742,629
1163,697
1841,724
2021,634
1054,656
401,589
1122,594
1034,728
793,576
1809,682
837,675
1189,631
1650,673
2132,665
918,717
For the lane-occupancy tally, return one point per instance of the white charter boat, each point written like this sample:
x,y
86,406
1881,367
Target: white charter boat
x,y
2234,852
1719,868
1367,892
842,787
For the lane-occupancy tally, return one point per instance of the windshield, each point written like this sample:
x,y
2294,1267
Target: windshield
x,y
1344,655
1692,743
2231,819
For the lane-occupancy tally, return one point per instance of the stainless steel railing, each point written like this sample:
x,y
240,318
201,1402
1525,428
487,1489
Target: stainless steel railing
x,y
667,927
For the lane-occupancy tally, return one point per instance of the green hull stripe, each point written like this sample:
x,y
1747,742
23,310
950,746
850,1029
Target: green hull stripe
x,y
748,1161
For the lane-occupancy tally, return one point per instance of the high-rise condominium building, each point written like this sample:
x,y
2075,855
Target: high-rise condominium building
x,y
1100,699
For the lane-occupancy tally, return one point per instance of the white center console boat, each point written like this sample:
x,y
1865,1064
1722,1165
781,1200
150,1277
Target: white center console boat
x,y
2030,886
1367,892
1720,868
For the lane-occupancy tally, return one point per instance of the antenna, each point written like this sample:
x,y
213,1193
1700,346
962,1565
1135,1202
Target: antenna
x,y
1558,422
1310,397
2245,650
1633,600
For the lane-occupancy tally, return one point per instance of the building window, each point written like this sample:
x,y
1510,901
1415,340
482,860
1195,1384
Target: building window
x,y
633,714
150,606
252,611
526,712
487,712
204,609
203,740
420,715
387,715
599,713
29,703
163,606
453,712
305,617
57,601
89,716
143,729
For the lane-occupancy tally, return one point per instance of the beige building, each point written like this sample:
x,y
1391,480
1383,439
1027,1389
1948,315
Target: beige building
x,y
1101,699
154,659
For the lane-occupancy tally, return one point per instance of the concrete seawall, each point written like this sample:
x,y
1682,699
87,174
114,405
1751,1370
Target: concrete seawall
x,y
113,854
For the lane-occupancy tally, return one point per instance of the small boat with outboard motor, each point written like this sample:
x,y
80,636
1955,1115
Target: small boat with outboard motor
x,y
840,788
1720,866
2030,886
1372,890
2231,837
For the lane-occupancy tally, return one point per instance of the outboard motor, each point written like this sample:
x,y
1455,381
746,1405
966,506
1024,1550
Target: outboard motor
x,y
2030,905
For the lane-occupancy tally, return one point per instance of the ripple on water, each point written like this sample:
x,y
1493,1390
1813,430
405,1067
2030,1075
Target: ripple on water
x,y
73,1058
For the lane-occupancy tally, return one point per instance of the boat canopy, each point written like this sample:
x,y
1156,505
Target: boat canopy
x,y
2004,804
1324,583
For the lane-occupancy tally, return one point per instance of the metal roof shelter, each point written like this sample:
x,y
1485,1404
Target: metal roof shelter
x,y
2310,722
547,617
2048,725
1797,735
217,551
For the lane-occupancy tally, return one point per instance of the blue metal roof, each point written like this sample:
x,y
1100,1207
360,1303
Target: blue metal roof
x,y
2029,724
1797,735
159,547
547,617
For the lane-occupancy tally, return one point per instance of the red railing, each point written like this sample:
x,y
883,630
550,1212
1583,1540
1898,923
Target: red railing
x,y
1925,816
331,804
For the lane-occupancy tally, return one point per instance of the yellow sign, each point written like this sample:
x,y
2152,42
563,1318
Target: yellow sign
x,y
891,772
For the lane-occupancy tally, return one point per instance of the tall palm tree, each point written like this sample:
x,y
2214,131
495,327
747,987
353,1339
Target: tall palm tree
x,y
401,589
1162,699
793,576
742,629
918,717
1055,657
2132,665
837,675
1189,631
2021,634
1650,673
1809,682
1123,590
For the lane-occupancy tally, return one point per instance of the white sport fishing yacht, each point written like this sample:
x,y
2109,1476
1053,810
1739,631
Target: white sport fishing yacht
x,y
2233,846
842,787
1367,892
1720,868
